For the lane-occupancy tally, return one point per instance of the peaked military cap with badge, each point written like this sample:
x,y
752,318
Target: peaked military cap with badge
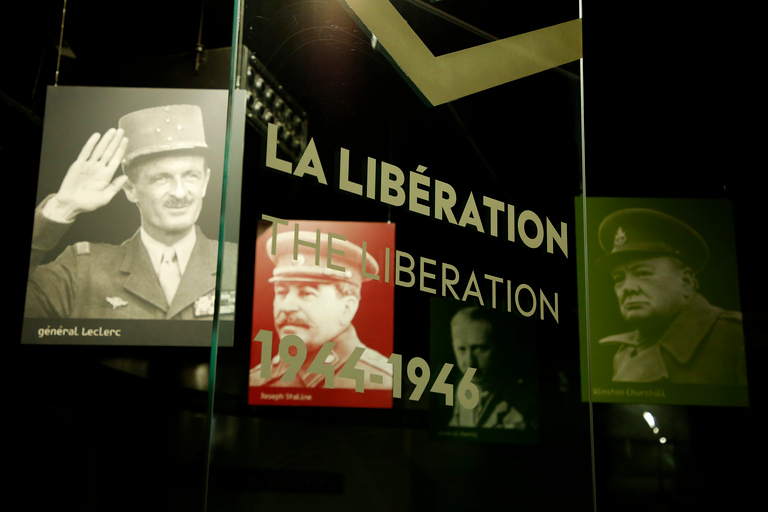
x,y
160,129
311,262
641,233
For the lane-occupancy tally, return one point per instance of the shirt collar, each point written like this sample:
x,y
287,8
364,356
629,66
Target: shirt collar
x,y
155,249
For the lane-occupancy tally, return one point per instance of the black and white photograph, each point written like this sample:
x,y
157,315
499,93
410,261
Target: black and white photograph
x,y
497,348
665,312
126,225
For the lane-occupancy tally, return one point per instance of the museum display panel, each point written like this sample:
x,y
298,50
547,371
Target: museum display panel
x,y
448,235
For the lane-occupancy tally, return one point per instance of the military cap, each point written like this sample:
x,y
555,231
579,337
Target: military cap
x,y
303,268
160,129
640,232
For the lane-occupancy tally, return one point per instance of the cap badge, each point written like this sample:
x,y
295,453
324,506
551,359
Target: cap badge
x,y
620,238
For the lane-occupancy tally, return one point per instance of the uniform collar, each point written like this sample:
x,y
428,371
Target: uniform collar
x,y
345,341
687,331
684,334
198,281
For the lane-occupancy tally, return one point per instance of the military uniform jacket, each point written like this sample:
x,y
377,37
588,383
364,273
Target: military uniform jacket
x,y
703,345
107,281
371,362
493,411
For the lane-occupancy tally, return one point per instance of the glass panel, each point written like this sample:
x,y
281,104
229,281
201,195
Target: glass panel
x,y
425,231
112,394
668,433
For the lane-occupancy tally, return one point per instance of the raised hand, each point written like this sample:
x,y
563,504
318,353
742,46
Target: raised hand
x,y
90,183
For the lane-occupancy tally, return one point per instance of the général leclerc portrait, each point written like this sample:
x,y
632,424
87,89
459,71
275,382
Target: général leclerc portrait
x,y
167,269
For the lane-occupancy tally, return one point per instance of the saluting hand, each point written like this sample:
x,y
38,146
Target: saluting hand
x,y
89,184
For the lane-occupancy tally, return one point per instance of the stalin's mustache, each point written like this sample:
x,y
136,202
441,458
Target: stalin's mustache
x,y
292,318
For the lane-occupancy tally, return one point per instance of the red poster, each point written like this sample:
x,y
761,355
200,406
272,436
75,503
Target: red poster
x,y
323,315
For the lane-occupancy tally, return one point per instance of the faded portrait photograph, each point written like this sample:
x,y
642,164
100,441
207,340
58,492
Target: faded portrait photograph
x,y
126,218
321,285
665,322
496,350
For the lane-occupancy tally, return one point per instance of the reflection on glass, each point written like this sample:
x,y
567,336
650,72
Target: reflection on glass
x,y
649,419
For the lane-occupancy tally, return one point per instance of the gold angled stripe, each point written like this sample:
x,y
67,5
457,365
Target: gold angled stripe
x,y
455,75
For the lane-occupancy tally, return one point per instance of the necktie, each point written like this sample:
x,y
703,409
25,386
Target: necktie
x,y
170,273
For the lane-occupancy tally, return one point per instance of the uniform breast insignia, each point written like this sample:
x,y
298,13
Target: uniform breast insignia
x,y
117,302
82,248
204,306
227,303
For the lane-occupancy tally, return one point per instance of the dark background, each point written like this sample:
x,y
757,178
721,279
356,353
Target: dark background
x,y
669,112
